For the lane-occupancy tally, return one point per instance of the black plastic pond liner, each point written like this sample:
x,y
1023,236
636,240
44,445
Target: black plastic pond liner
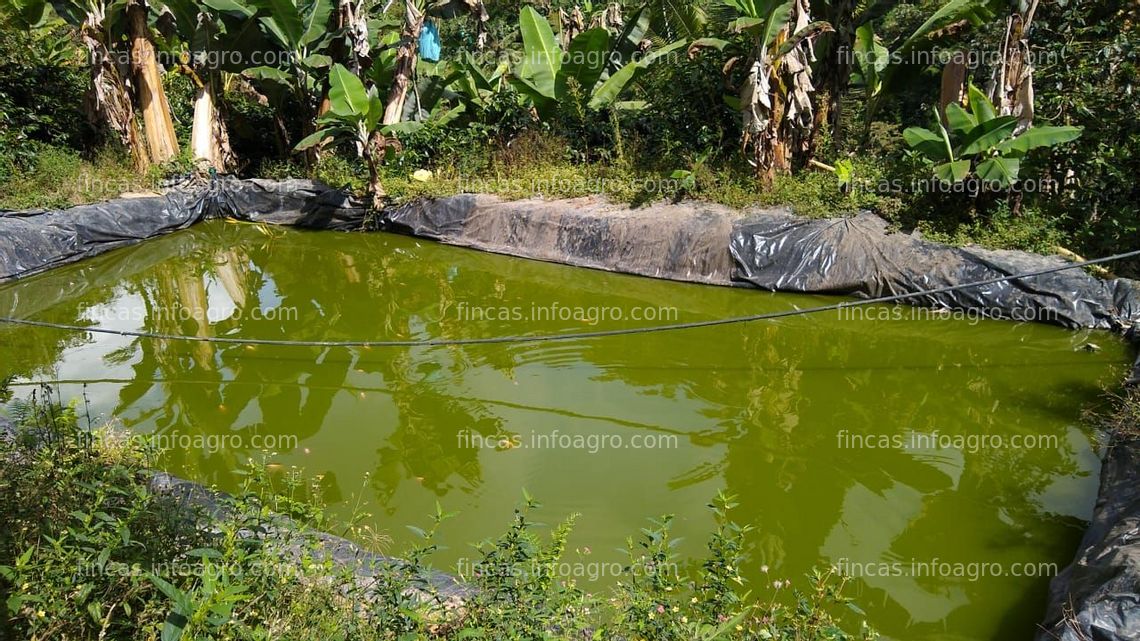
x,y
33,241
858,257
1097,598
299,203
683,242
773,250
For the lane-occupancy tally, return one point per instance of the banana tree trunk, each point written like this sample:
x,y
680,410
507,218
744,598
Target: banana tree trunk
x,y
405,62
953,85
761,109
777,100
837,70
780,153
202,132
797,122
209,140
109,103
157,123
353,18
373,151
1011,89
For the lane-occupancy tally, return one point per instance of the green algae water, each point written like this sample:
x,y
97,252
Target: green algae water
x,y
939,460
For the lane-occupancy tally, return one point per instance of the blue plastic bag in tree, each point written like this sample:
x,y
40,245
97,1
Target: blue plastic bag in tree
x,y
429,42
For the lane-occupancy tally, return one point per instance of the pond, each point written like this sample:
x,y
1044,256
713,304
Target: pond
x,y
940,460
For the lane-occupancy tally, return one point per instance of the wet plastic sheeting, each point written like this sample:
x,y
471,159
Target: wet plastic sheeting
x,y
300,203
33,241
1097,598
440,219
684,241
856,256
773,250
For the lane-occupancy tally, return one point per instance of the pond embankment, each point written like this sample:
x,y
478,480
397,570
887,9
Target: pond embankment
x,y
768,249
1097,597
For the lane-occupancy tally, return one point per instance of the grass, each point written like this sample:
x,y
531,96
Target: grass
x,y
1119,416
88,551
62,178
1029,231
535,165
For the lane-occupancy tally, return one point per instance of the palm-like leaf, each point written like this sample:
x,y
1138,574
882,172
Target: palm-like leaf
x,y
542,57
347,96
675,19
586,59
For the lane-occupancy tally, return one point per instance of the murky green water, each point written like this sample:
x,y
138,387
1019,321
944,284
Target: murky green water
x,y
845,439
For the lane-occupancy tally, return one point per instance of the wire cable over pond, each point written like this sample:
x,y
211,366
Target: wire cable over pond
x,y
496,340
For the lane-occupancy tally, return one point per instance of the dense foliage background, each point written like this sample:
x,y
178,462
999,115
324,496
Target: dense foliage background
x,y
685,142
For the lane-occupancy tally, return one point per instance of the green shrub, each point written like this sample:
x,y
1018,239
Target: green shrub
x,y
42,89
180,93
1030,230
1090,67
261,131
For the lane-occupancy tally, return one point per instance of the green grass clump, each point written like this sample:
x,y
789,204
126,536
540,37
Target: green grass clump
x,y
61,178
1028,231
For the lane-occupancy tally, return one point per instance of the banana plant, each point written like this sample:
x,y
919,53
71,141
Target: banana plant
x,y
871,60
879,69
548,82
404,62
978,142
776,100
206,32
354,116
299,28
105,28
415,12
478,85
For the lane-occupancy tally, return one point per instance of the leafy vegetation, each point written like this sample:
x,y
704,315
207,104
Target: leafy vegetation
x,y
89,551
980,143
549,83
818,105
354,115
